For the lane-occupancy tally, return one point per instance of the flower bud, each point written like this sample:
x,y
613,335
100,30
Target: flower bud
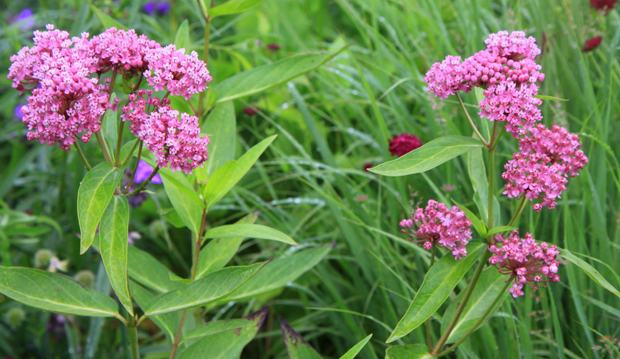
x,y
42,258
85,277
15,317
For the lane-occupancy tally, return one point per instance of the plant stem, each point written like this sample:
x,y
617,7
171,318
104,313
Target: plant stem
x,y
198,243
104,147
491,190
462,304
131,152
119,141
143,184
82,156
480,320
519,210
132,330
428,322
486,144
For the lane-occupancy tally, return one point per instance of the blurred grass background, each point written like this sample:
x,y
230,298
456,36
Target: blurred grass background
x,y
311,183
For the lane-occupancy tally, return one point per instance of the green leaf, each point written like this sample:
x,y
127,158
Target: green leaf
x,y
490,285
54,293
94,194
221,126
171,215
233,7
113,243
228,344
243,166
264,77
217,182
501,229
352,353
279,273
475,221
551,98
217,253
436,288
416,351
109,128
247,230
146,270
143,297
202,291
296,346
218,327
126,150
182,39
480,184
105,19
427,157
589,270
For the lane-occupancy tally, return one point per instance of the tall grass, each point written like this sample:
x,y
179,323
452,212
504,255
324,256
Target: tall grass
x,y
331,122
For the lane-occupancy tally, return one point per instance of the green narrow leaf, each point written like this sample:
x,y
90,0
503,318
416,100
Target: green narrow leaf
x,y
501,229
589,270
105,19
94,194
182,39
247,230
480,184
244,163
551,98
490,285
475,221
148,271
427,157
279,273
164,321
202,291
416,351
296,346
218,327
352,353
113,243
228,344
264,77
109,127
233,7
217,253
54,293
217,182
171,215
221,126
126,150
438,283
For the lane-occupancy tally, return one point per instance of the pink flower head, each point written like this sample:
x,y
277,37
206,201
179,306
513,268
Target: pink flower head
x,y
173,70
525,261
540,169
404,143
446,78
124,50
175,143
438,225
512,47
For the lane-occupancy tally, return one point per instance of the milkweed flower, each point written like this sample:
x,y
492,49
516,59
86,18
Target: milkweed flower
x,y
404,143
541,168
524,260
438,225
592,44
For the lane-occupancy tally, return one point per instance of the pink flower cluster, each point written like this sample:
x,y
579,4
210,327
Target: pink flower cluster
x,y
540,169
69,95
508,73
525,261
440,226
175,144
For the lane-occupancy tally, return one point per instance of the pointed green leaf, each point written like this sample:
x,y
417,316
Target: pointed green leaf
x,y
264,77
416,351
490,285
475,221
279,273
296,346
202,291
438,283
500,229
182,39
427,157
247,230
165,321
217,253
217,182
233,7
221,126
228,344
352,353
109,128
54,293
217,327
552,98
478,177
113,243
244,163
589,270
105,19
94,194
148,271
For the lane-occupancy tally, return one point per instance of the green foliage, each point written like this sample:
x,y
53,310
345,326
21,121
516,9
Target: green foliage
x,y
248,230
416,351
232,7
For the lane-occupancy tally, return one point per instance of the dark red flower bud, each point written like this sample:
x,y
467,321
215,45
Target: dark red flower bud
x,y
274,47
367,165
403,144
592,44
250,111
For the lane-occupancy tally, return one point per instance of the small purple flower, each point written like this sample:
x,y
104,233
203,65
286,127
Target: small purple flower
x,y
18,112
150,7
163,7
143,172
27,16
159,7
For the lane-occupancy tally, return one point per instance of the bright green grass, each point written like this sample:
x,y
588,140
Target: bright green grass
x,y
334,120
